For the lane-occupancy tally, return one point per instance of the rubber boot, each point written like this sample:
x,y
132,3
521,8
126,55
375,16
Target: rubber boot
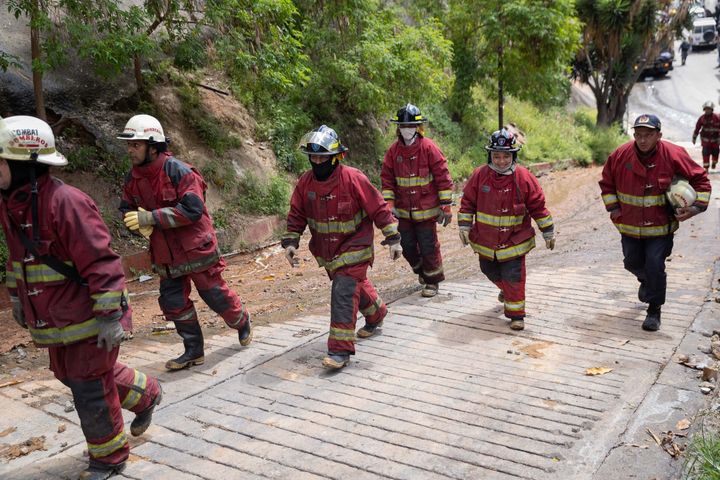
x,y
517,324
98,471
192,336
336,361
369,330
652,320
642,293
245,333
430,290
142,420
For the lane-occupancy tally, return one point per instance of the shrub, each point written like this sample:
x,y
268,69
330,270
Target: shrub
x,y
267,198
207,127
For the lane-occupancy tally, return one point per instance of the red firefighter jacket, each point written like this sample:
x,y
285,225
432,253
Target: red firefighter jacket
x,y
499,207
638,188
183,238
340,212
708,126
417,179
58,310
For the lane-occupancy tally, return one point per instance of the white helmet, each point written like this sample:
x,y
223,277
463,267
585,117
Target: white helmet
x,y
28,138
681,193
709,105
143,127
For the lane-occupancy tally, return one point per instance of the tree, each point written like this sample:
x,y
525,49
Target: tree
x,y
522,45
619,37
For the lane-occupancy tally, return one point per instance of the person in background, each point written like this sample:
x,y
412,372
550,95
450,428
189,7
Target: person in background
x,y
417,185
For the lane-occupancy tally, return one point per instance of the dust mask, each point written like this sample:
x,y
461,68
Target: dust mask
x,y
408,134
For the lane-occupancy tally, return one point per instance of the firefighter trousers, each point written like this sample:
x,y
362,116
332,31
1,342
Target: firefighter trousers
x,y
645,258
509,276
351,291
175,300
101,387
421,249
710,150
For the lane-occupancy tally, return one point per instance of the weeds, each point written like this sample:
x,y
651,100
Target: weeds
x,y
703,456
208,128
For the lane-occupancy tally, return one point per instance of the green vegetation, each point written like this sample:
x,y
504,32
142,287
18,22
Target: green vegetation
x,y
703,457
266,198
207,127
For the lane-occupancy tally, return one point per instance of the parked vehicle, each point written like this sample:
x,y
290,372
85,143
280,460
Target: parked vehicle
x,y
660,67
704,33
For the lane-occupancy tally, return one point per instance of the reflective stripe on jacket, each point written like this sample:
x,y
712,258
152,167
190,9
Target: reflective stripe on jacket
x,y
417,179
637,188
340,213
708,126
499,208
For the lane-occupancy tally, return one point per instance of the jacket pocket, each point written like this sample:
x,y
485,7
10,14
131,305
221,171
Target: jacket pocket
x,y
663,182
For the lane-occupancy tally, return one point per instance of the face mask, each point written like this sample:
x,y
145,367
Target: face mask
x,y
323,170
408,133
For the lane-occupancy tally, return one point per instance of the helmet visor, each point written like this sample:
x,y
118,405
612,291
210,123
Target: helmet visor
x,y
320,143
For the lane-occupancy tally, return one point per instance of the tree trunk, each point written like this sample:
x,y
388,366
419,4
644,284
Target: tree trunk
x,y
138,73
36,53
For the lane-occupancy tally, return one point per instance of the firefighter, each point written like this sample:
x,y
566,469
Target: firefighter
x,y
339,205
68,289
634,181
708,126
494,219
164,200
416,184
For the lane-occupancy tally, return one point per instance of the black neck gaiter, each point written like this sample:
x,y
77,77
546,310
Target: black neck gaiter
x,y
322,171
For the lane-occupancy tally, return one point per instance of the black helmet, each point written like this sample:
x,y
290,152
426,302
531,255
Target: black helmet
x,y
321,141
502,141
409,115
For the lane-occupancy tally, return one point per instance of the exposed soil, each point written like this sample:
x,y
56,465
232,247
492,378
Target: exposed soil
x,y
274,292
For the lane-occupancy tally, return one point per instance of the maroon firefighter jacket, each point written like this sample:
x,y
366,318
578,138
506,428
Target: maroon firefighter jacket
x,y
417,179
499,208
638,188
183,238
58,310
340,213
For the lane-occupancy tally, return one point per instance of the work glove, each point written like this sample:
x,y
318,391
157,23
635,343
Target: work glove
x,y
395,251
694,138
445,215
140,220
17,311
683,213
290,253
465,236
110,335
549,240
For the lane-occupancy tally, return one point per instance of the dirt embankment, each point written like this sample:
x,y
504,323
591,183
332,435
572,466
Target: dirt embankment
x,y
274,292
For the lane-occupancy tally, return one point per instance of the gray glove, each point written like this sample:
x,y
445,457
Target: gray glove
x,y
549,238
395,251
17,310
290,253
465,235
110,335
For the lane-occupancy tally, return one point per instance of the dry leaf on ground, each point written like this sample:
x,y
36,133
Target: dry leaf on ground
x,y
598,371
683,424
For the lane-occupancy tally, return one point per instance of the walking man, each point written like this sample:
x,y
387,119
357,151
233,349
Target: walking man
x,y
634,182
164,200
340,205
708,126
68,289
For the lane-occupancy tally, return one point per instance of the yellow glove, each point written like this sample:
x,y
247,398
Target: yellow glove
x,y
141,221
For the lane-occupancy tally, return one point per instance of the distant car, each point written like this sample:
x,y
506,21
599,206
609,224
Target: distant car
x,y
704,33
660,67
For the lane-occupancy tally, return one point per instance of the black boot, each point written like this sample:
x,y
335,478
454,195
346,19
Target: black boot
x,y
192,336
642,292
245,333
98,471
142,420
652,320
